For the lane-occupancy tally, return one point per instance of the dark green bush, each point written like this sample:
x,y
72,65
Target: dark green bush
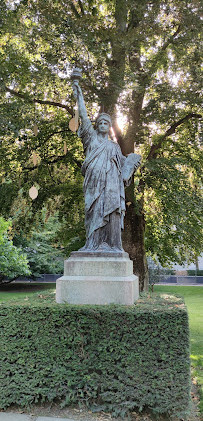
x,y
13,262
195,272
112,358
41,246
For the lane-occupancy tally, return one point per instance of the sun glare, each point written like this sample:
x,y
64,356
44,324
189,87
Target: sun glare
x,y
121,120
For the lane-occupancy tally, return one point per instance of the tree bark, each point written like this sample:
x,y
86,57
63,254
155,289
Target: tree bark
x,y
133,242
134,224
134,234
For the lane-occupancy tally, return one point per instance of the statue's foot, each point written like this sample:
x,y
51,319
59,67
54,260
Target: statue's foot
x,y
106,247
101,247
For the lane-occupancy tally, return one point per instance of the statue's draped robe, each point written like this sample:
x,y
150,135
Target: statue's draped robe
x,y
103,188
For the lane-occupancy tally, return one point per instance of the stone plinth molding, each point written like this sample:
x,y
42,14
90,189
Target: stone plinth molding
x,y
98,278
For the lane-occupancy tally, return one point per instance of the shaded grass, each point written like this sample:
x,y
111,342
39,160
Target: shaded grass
x,y
193,296
18,291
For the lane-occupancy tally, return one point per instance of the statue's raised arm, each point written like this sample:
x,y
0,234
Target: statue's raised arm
x,y
77,92
85,128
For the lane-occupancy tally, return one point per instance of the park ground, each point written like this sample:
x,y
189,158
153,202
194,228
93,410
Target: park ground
x,y
193,296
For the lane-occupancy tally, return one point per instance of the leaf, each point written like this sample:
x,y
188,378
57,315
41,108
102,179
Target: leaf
x,y
34,158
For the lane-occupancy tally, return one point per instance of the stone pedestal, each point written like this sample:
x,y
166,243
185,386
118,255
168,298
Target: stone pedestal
x,y
98,278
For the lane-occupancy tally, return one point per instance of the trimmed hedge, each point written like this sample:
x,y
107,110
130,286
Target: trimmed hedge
x,y
112,358
195,272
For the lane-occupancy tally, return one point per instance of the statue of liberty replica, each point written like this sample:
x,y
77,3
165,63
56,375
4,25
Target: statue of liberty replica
x,y
105,172
101,272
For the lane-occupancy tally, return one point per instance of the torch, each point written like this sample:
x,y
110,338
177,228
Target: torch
x,y
75,76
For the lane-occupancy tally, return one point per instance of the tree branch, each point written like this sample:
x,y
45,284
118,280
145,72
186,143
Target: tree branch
x,y
158,55
61,158
39,101
74,10
53,161
170,39
154,148
50,135
116,64
81,7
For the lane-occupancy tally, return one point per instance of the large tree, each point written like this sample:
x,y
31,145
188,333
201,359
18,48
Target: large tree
x,y
139,59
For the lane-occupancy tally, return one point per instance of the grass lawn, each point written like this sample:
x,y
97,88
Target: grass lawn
x,y
193,296
17,291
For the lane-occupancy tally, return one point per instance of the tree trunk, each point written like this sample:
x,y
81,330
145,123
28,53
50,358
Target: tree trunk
x,y
197,263
134,232
134,224
133,244
133,236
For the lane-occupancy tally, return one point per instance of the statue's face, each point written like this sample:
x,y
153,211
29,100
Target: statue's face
x,y
103,126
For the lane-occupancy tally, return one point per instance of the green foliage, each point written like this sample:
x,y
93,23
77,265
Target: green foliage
x,y
13,262
193,272
173,230
43,250
156,272
43,258
141,58
4,225
111,358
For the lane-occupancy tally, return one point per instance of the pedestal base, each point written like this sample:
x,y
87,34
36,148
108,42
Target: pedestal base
x,y
98,278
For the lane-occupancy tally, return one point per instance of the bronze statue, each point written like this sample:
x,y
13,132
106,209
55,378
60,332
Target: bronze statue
x,y
105,172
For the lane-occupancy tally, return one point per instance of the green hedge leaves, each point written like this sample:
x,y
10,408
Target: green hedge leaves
x,y
111,358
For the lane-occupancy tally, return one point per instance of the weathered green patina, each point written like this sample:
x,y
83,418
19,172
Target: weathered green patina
x,y
106,170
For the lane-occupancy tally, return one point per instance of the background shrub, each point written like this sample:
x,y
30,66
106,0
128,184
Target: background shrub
x,y
193,272
13,262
